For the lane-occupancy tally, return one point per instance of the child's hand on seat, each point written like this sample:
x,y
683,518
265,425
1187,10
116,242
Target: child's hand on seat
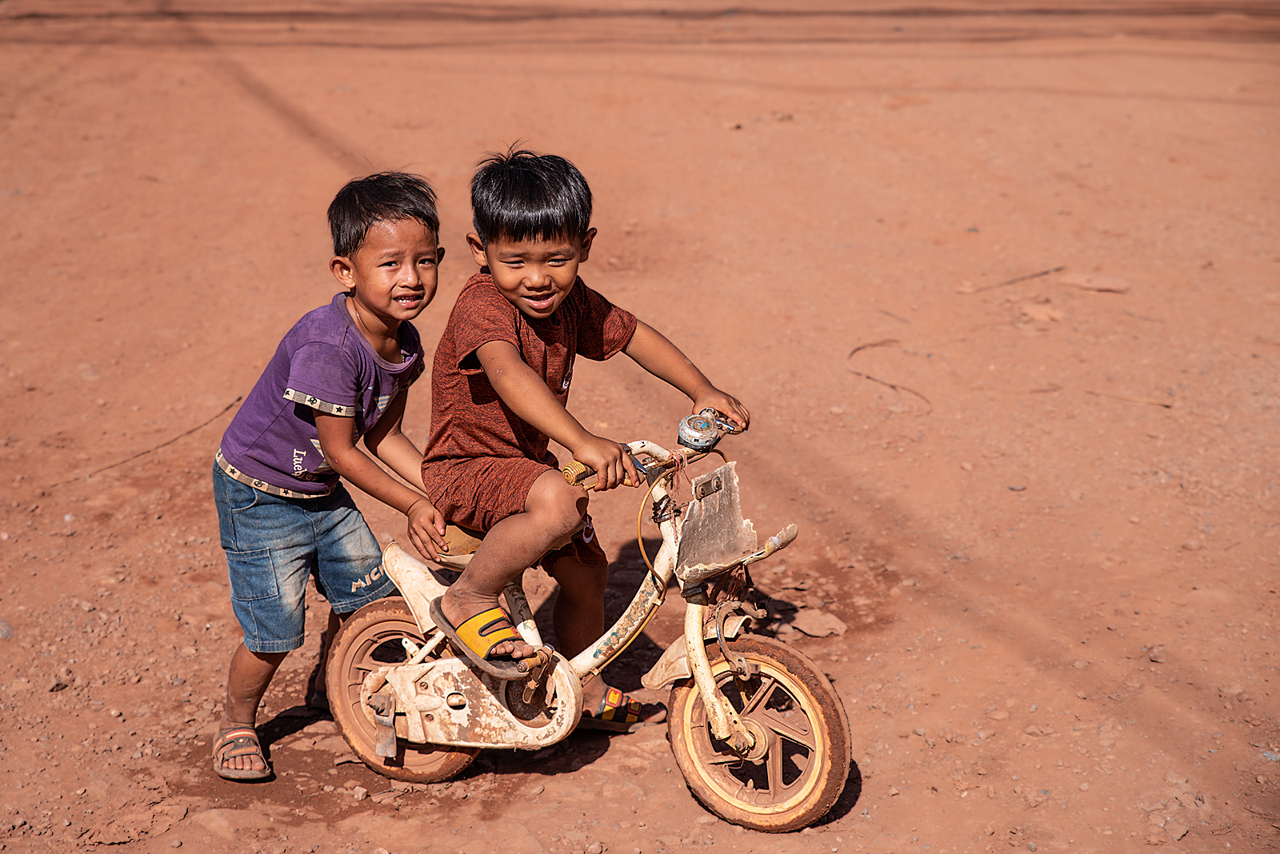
x,y
726,404
610,461
426,528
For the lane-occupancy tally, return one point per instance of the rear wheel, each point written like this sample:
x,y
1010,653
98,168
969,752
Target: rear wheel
x,y
798,767
369,639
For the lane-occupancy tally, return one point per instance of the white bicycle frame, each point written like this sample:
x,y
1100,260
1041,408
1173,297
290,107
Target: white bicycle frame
x,y
459,707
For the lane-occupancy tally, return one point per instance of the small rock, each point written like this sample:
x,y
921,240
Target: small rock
x,y
537,790
360,793
177,843
998,715
595,848
1158,655
6,630
818,624
1175,830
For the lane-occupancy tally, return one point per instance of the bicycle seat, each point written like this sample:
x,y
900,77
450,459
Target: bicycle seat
x,y
462,543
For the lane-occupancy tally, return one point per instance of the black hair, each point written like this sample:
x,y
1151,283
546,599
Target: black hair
x,y
521,195
363,202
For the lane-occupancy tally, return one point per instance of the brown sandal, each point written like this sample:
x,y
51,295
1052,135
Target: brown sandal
x,y
234,742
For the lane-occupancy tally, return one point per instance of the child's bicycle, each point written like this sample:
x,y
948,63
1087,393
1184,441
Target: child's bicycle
x,y
758,732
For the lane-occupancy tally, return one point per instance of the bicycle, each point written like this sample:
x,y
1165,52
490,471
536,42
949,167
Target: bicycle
x,y
757,730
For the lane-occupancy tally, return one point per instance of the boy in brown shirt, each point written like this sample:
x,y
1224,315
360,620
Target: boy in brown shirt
x,y
499,388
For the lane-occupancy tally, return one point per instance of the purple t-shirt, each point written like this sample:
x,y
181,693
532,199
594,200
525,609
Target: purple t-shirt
x,y
323,364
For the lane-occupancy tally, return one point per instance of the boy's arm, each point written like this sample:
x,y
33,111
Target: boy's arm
x,y
526,394
337,443
653,352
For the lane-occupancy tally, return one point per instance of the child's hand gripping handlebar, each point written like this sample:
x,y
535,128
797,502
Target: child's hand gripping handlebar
x,y
698,433
579,474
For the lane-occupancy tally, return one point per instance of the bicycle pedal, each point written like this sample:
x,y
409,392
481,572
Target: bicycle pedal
x,y
537,672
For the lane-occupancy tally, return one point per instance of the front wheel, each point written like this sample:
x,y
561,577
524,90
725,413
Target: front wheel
x,y
798,767
369,639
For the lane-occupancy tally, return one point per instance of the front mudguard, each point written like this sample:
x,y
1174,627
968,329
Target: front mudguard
x,y
674,663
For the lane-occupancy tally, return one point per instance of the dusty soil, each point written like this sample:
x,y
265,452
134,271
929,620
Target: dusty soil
x,y
1001,286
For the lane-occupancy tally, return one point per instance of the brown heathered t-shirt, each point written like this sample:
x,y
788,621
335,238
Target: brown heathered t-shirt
x,y
468,419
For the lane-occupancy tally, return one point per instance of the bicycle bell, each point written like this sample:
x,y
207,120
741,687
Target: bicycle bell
x,y
698,432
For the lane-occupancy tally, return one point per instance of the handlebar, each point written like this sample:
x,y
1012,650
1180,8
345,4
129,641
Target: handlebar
x,y
698,433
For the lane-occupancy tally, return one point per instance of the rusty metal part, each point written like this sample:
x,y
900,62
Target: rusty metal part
x,y
539,665
741,668
536,709
714,537
383,706
444,702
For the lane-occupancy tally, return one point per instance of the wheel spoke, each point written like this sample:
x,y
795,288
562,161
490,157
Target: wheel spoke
x,y
773,766
803,736
724,759
749,705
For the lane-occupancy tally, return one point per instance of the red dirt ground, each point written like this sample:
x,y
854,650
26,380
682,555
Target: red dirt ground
x,y
1000,283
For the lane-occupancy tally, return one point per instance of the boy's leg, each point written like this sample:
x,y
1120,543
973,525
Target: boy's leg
x,y
349,575
269,548
317,695
578,613
553,512
247,680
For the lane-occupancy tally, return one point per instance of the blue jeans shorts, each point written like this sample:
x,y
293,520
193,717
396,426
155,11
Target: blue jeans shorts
x,y
275,544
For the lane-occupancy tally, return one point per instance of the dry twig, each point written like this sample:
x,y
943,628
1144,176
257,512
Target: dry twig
x,y
1014,280
899,388
154,448
1131,399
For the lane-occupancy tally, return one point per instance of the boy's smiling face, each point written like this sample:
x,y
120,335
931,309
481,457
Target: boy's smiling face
x,y
534,275
393,275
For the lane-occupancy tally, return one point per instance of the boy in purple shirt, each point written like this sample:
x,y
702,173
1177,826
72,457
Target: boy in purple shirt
x,y
341,374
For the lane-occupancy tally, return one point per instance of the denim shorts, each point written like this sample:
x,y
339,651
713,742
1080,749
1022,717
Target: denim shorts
x,y
275,544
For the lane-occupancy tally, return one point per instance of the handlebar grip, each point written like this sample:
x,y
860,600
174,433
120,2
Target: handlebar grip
x,y
575,473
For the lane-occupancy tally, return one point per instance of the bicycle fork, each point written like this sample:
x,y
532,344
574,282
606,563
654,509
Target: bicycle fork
x,y
721,716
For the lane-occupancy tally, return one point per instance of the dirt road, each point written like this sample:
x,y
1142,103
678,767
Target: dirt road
x,y
1000,284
